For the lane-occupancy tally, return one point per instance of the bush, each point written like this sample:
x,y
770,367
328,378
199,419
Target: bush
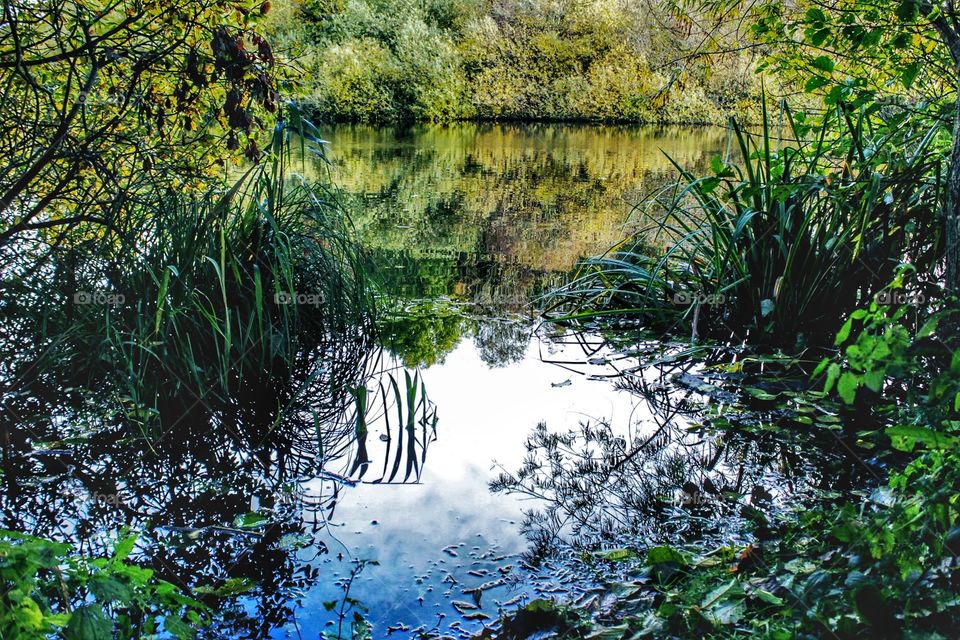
x,y
386,60
49,589
356,80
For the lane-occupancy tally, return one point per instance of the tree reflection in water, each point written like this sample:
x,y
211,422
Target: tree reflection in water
x,y
219,498
667,476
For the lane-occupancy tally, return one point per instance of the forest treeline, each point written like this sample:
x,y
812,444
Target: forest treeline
x,y
442,60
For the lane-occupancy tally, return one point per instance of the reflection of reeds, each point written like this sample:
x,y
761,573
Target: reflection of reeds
x,y
188,382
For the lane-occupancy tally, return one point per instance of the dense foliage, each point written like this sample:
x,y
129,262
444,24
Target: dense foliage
x,y
873,560
154,312
838,221
47,589
439,60
101,101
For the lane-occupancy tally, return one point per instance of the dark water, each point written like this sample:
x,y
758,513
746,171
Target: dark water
x,y
468,225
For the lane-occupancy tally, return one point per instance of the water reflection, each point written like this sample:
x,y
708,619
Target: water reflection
x,y
451,553
215,484
238,516
273,496
491,214
664,475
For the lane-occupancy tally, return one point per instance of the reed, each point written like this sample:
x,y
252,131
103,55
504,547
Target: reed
x,y
777,246
234,305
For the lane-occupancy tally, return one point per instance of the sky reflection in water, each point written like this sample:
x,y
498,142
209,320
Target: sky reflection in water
x,y
486,416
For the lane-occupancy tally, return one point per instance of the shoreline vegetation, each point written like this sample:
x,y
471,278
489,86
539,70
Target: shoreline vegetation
x,y
814,281
217,336
386,61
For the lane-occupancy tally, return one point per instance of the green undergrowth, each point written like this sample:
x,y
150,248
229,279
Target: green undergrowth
x,y
48,589
879,561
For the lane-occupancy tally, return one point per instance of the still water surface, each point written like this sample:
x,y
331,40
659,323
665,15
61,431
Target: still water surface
x,y
468,226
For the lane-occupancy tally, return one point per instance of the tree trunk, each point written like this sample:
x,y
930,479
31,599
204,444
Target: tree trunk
x,y
945,20
951,213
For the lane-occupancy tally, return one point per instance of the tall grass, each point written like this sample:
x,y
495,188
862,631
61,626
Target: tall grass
x,y
205,322
778,245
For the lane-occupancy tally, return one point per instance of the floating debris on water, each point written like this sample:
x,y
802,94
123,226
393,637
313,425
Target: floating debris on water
x,y
462,606
476,615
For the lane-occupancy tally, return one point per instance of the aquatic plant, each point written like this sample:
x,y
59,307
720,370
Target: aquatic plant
x,y
399,411
239,302
779,246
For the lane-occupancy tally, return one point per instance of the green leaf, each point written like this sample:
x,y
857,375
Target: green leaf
x,y
251,520
178,628
727,613
664,553
816,16
231,587
873,380
820,367
929,327
760,394
833,372
767,597
618,555
27,614
955,362
815,83
107,589
88,622
124,547
904,436
844,332
847,387
824,63
724,605
909,74
838,93
907,10
819,36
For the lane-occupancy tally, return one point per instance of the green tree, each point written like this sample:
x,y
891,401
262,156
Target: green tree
x,y
101,98
869,54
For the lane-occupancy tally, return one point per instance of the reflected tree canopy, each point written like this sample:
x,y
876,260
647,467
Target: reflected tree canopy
x,y
666,477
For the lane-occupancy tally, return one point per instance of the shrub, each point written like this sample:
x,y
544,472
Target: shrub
x,y
49,589
356,80
427,60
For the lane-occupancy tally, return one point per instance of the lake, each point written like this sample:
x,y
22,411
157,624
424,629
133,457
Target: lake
x,y
475,458
469,225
